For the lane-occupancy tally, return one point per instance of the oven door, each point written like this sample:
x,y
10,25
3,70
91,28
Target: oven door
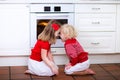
x,y
38,20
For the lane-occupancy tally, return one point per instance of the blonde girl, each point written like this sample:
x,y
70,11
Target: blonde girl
x,y
78,58
41,62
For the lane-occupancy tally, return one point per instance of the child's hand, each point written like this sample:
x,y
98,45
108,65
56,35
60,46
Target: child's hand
x,y
55,70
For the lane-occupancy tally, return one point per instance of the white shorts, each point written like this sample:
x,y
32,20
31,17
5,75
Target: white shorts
x,y
78,67
39,68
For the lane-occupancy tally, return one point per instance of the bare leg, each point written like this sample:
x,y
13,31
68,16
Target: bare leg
x,y
27,72
90,71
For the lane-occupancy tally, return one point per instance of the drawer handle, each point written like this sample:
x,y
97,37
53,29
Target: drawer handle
x,y
95,43
96,9
53,51
95,22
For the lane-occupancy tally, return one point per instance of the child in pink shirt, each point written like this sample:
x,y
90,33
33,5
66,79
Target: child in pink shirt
x,y
78,58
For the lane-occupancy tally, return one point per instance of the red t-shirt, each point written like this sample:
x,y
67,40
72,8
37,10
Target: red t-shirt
x,y
75,51
36,51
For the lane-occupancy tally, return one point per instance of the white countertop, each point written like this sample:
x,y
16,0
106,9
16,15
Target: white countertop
x,y
59,1
74,1
97,1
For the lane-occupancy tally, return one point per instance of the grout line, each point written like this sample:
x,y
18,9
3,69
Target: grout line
x,y
52,77
117,65
94,75
31,77
9,73
108,72
73,77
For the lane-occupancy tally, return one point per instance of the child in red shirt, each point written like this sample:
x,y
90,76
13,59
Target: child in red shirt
x,y
78,58
41,62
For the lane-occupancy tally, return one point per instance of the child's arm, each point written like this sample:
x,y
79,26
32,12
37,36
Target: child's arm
x,y
50,56
48,62
72,54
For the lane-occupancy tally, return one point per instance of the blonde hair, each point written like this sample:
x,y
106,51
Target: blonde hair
x,y
69,30
48,34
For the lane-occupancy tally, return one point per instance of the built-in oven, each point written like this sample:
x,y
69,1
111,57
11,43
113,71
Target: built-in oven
x,y
41,14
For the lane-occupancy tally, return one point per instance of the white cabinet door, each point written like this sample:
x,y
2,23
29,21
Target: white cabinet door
x,y
14,1
95,22
97,42
118,29
95,8
14,29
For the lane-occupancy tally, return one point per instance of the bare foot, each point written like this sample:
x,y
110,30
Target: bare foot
x,y
89,71
27,72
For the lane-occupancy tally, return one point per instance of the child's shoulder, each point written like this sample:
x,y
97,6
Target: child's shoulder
x,y
70,41
42,42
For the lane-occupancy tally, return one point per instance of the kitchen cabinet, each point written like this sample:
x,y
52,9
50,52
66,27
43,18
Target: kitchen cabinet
x,y
118,30
14,29
96,24
100,42
52,1
14,1
58,51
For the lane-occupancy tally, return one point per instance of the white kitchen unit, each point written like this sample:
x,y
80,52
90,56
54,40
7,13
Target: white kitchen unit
x,y
58,51
118,30
52,1
97,42
14,1
14,29
96,24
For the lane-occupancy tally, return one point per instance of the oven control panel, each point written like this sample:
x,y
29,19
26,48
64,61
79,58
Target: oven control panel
x,y
56,8
51,8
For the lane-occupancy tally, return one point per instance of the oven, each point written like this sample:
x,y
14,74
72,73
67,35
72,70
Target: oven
x,y
40,14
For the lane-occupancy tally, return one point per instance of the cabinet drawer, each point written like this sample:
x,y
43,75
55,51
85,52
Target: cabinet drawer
x,y
97,42
14,1
57,50
95,22
95,8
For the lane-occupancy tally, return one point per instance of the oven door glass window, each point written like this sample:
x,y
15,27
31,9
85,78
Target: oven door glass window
x,y
41,23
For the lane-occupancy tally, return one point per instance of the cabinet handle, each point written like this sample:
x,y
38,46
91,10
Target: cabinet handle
x,y
96,22
96,9
95,43
53,51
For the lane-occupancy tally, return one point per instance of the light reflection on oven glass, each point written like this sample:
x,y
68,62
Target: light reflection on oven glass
x,y
41,23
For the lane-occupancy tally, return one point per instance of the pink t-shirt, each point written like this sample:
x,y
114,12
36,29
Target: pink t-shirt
x,y
75,52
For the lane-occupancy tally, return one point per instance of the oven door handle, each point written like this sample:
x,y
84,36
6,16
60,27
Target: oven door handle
x,y
52,15
57,16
